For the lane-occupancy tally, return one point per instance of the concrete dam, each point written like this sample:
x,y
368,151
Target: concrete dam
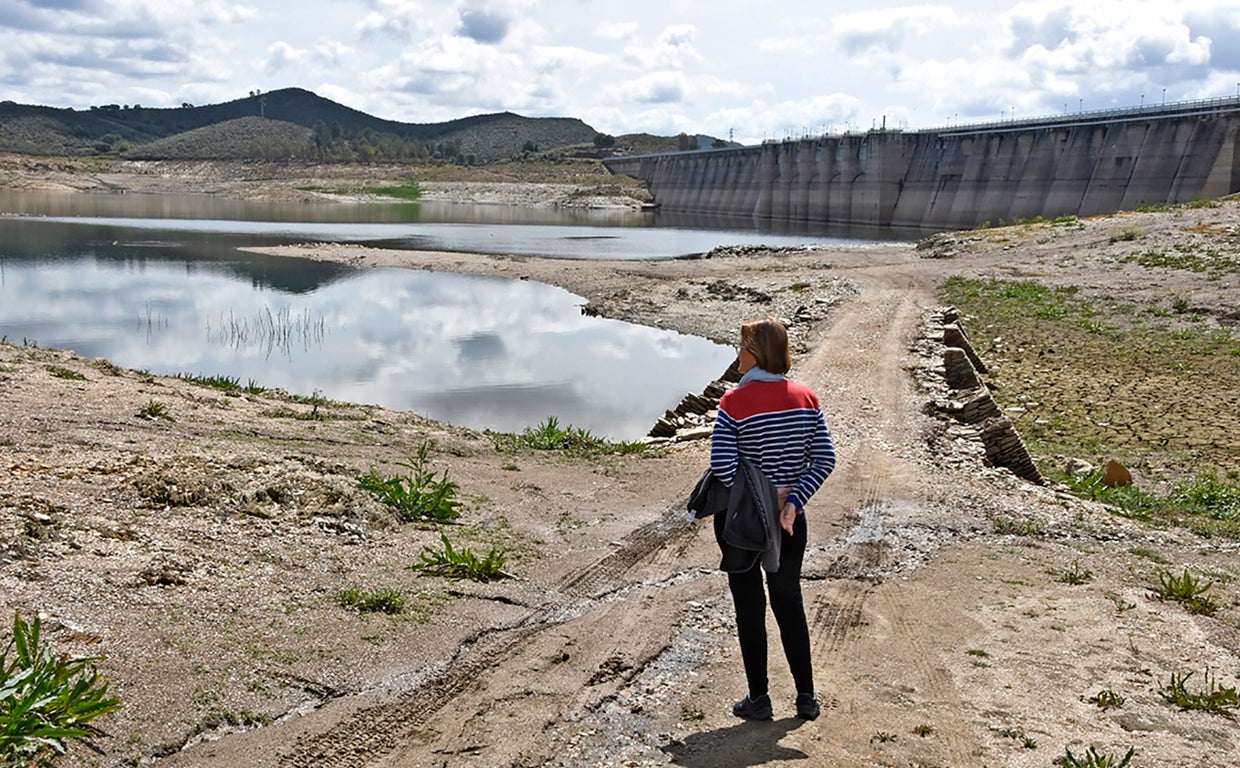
x,y
961,177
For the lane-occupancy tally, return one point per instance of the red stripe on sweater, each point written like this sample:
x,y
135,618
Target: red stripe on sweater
x,y
767,396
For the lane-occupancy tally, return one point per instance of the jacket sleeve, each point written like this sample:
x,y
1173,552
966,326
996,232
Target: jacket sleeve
x,y
820,461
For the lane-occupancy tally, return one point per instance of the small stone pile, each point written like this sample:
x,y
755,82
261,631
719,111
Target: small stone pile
x,y
694,418
969,401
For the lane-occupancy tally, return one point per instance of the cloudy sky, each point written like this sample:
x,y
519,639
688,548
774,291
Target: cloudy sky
x,y
741,68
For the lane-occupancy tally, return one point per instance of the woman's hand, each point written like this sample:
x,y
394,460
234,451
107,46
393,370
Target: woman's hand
x,y
787,516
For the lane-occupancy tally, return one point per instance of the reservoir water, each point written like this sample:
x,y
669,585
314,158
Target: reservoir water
x,y
158,283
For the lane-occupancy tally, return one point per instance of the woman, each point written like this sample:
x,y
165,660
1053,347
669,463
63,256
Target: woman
x,y
777,425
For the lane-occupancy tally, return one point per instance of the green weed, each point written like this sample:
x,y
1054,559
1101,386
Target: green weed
x,y
1186,258
1213,698
1127,234
1107,699
154,410
65,373
45,699
1074,574
377,600
1005,526
1152,555
419,496
1188,591
550,436
225,383
1013,298
461,562
1205,503
1015,733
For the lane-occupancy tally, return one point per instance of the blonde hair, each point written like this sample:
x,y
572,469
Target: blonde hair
x,y
767,341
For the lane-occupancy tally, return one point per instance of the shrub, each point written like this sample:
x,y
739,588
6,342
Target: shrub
x,y
45,699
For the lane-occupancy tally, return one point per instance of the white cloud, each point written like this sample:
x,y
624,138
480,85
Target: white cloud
x,y
644,66
655,88
281,55
673,49
887,29
616,30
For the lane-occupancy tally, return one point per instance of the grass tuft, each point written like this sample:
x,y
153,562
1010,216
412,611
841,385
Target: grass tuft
x,y
154,410
550,436
65,373
461,562
1092,759
1074,574
378,600
1213,698
1187,590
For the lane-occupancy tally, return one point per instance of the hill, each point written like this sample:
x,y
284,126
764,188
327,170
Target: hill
x,y
335,131
240,139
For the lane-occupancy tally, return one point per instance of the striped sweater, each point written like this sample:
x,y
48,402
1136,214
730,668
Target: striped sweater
x,y
778,425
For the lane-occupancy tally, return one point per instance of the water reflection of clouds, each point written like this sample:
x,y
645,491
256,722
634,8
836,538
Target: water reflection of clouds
x,y
482,352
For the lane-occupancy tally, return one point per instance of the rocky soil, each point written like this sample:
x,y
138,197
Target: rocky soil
x,y
202,555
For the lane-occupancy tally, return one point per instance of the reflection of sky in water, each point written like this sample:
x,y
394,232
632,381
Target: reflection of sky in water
x,y
553,241
486,353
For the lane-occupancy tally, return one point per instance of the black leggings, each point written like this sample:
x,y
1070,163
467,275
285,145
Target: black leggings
x,y
785,588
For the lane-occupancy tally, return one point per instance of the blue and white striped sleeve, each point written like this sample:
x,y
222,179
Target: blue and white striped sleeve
x,y
820,461
724,453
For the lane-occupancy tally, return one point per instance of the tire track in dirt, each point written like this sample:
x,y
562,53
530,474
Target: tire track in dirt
x,y
667,530
937,685
867,346
834,617
378,730
861,346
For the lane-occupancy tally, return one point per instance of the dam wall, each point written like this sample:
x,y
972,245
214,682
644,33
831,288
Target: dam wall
x,y
959,178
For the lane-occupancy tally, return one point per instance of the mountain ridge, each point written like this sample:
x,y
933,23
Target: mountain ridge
x,y
334,129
